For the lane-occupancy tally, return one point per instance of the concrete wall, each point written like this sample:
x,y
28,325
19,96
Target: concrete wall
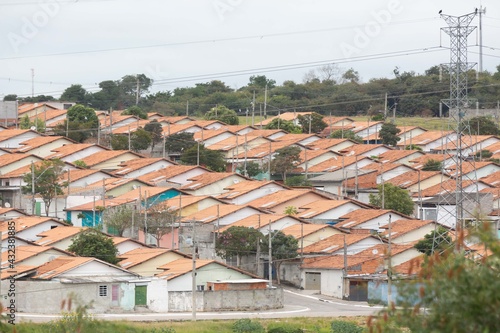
x,y
157,295
240,300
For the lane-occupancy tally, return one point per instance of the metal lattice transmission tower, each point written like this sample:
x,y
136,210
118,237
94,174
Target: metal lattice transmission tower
x,y
456,206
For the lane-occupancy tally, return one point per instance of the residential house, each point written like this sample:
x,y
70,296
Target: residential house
x,y
311,158
125,244
367,150
278,202
288,116
245,191
308,234
370,219
400,156
146,261
137,167
109,160
186,205
469,170
334,145
31,255
298,139
492,179
42,146
174,175
32,109
60,237
75,152
271,134
212,137
419,162
29,227
51,118
327,211
213,183
470,145
406,231
341,243
264,222
430,140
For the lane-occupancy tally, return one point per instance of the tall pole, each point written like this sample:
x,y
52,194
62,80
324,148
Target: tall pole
x,y
270,268
137,90
32,188
481,11
257,259
389,266
187,108
253,108
128,137
265,103
193,276
345,269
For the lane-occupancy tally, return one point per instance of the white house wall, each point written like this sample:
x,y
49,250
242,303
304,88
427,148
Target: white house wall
x,y
218,138
255,194
95,268
162,164
47,148
278,225
30,234
359,246
217,187
14,142
127,246
238,215
376,223
81,154
157,295
334,213
389,174
414,235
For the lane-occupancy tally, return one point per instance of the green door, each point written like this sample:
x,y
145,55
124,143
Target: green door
x,y
140,295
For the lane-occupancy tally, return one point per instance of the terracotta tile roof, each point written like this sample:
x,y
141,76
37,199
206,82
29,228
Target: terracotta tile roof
x,y
180,267
291,138
362,125
367,180
26,107
467,141
419,162
175,119
360,149
206,123
179,128
313,153
209,178
247,186
137,164
327,143
334,120
468,167
333,164
11,133
238,128
62,265
360,216
210,133
70,149
77,174
18,270
396,155
265,133
39,142
447,186
119,240
411,178
301,230
103,156
209,214
285,116
263,150
186,200
277,198
116,118
334,243
232,143
26,222
494,148
401,227
7,159
495,191
140,255
20,172
132,127
57,234
427,137
24,252
48,115
255,221
169,172
493,179
319,207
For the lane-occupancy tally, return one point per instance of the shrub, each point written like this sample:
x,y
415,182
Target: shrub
x,y
247,326
163,330
340,326
285,328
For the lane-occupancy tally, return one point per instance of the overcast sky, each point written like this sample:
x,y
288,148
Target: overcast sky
x,y
182,42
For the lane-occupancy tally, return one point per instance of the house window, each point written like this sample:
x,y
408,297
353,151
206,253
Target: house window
x,y
103,291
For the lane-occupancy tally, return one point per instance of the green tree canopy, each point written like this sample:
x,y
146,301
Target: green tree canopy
x,y
432,165
394,198
236,242
179,142
135,111
156,131
211,159
285,125
37,123
75,93
285,160
297,181
83,123
119,219
346,134
312,123
282,247
93,243
140,140
119,142
160,221
483,125
436,240
224,114
44,179
388,134
452,292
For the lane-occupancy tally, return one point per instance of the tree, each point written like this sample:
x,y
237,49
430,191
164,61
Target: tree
x,y
388,134
135,111
93,243
156,131
37,123
282,247
346,134
140,140
47,184
483,154
179,142
75,93
312,123
160,221
285,125
212,159
10,97
413,147
119,219
452,292
432,165
394,198
436,240
297,181
224,114
285,160
119,142
83,123
252,169
483,125
81,164
237,241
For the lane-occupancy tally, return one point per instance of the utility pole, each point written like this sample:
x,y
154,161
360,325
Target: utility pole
x,y
253,108
389,266
137,90
270,268
481,11
193,275
32,188
187,108
265,103
269,161
345,268
257,259
129,137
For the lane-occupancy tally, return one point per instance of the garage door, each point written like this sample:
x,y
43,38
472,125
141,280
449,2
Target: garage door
x,y
313,281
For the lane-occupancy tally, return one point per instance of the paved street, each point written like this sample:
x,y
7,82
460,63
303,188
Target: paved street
x,y
298,303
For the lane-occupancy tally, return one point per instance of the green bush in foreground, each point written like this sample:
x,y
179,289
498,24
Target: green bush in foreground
x,y
340,326
247,326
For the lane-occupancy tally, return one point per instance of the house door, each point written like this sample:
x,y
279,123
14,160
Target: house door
x,y
358,291
313,281
140,295
115,295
